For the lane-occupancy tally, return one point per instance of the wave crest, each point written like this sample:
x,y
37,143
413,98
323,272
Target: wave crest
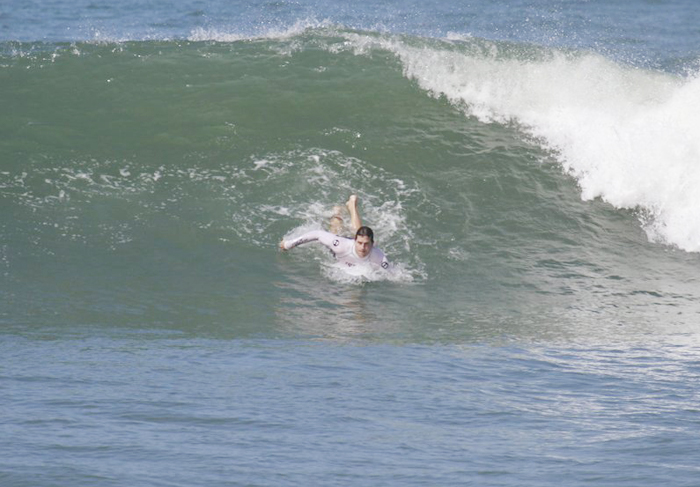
x,y
630,137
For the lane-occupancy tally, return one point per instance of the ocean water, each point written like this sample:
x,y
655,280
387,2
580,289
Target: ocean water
x,y
532,169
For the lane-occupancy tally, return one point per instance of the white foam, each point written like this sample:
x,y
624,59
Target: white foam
x,y
260,163
362,274
629,136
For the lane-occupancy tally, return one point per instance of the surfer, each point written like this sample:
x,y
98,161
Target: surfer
x,y
348,251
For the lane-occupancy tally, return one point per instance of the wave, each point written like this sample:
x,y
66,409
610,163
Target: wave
x,y
628,136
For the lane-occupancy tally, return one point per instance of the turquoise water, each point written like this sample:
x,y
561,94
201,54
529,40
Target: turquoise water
x,y
530,168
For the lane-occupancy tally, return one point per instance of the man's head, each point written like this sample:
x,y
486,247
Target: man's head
x,y
364,240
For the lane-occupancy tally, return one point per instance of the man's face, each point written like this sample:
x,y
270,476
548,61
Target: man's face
x,y
363,245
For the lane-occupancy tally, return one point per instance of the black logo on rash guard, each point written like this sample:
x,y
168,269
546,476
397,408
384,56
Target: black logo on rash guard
x,y
336,242
385,265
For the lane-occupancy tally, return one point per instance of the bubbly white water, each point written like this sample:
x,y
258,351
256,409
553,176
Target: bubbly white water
x,y
630,137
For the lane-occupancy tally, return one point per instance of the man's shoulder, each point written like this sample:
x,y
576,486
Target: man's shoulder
x,y
377,251
335,241
343,242
377,256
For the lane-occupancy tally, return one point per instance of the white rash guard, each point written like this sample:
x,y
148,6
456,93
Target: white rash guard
x,y
342,248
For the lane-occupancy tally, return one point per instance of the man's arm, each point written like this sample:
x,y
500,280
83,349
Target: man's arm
x,y
325,238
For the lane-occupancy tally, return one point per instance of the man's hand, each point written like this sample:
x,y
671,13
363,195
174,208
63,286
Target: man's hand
x,y
282,245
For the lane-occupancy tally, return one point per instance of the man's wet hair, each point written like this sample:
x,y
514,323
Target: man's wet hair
x,y
365,232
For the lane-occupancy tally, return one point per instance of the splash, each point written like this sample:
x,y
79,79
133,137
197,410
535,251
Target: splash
x,y
276,32
363,274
